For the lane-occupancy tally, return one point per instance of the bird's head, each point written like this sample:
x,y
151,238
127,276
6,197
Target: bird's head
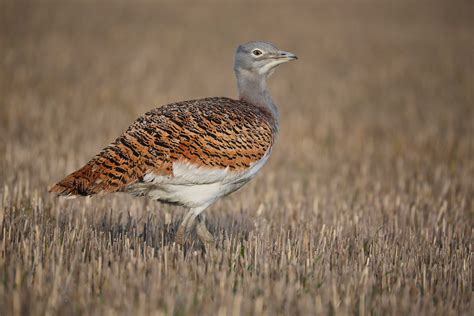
x,y
260,58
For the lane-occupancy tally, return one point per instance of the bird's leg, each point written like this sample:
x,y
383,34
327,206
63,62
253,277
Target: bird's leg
x,y
185,226
201,230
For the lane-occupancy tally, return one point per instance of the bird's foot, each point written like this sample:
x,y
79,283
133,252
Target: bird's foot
x,y
189,224
181,235
185,227
203,234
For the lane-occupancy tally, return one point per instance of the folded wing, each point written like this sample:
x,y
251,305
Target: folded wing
x,y
215,133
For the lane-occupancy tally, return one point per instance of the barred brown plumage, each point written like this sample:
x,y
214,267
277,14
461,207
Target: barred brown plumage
x,y
192,152
211,132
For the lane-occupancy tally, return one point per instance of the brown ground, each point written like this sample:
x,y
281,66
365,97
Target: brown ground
x,y
366,206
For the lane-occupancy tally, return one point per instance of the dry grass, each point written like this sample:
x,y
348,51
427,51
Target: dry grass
x,y
366,206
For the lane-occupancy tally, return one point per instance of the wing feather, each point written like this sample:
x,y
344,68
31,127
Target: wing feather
x,y
213,133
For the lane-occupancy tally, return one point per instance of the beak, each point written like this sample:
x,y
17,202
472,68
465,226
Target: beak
x,y
287,56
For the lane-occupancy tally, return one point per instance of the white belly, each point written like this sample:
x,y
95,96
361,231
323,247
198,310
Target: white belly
x,y
194,186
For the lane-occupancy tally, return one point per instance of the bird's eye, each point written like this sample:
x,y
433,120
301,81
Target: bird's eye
x,y
257,52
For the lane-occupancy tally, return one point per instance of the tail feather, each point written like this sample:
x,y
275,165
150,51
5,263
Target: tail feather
x,y
111,170
91,179
80,182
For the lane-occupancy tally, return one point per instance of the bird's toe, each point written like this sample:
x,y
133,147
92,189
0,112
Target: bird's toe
x,y
203,234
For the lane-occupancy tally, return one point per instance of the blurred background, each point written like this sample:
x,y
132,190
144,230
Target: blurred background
x,y
377,125
378,79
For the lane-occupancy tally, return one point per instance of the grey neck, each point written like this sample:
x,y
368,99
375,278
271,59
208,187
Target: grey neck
x,y
253,89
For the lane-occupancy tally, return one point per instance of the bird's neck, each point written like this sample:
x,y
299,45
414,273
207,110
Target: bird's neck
x,y
253,89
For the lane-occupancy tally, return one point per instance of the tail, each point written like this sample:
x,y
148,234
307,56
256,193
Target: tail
x,y
82,182
112,170
94,178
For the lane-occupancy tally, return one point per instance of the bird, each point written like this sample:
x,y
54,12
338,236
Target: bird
x,y
192,153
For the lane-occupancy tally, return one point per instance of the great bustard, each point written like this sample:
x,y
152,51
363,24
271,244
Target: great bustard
x,y
194,152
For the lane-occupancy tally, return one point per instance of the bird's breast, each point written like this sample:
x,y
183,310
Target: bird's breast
x,y
194,186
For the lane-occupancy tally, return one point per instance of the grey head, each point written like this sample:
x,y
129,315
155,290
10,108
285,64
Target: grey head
x,y
260,58
254,63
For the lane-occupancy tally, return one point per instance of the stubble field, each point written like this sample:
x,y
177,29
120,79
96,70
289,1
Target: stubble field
x,y
365,207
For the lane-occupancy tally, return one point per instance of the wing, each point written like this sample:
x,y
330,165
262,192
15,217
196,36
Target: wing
x,y
215,133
